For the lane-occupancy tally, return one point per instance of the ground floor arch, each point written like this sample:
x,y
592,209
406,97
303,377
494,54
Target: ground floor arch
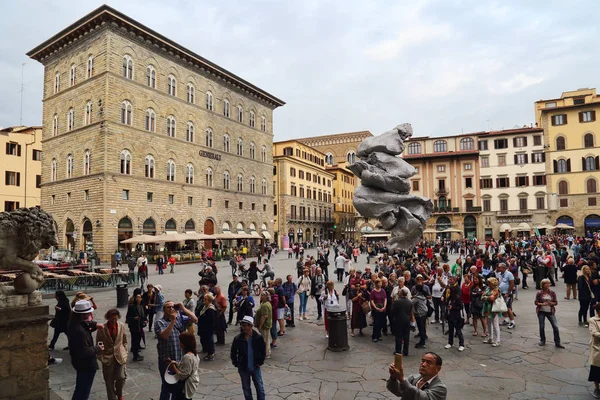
x,y
591,223
124,232
470,227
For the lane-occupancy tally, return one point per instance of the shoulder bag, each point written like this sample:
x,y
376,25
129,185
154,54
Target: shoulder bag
x,y
366,307
499,305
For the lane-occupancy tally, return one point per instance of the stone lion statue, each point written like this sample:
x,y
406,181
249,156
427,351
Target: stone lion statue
x,y
23,232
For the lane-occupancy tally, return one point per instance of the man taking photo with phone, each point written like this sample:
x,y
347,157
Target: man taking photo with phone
x,y
424,385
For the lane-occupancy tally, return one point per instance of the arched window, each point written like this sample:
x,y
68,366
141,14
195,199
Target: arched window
x,y
561,166
209,177
151,76
126,112
53,174
189,132
351,157
591,186
226,108
127,67
87,162
263,154
90,66
252,185
440,146
226,180
209,137
191,93
71,119
69,166
171,225
149,167
563,187
588,140
225,227
329,158
209,101
560,143
73,75
240,115
126,162
590,164
56,82
171,126
414,148
264,186
252,150
240,183
189,174
252,119
190,226
240,147
55,125
467,144
171,171
150,120
87,119
226,141
172,85
263,123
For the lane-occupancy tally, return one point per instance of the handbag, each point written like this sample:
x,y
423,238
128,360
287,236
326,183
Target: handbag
x,y
53,323
429,309
345,291
366,307
499,305
526,270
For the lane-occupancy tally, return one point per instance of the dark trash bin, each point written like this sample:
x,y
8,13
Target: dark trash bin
x,y
122,295
338,329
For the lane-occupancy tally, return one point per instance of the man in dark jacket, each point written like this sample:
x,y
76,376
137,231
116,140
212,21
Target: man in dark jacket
x,y
232,290
401,316
248,353
82,349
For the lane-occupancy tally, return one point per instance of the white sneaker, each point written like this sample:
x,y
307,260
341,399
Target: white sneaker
x,y
448,346
461,348
305,318
512,325
495,344
487,341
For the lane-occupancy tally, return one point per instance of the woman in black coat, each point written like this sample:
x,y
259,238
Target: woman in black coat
x,y
454,306
61,317
207,321
136,320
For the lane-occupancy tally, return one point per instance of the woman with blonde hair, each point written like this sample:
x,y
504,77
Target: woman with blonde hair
x,y
488,298
586,295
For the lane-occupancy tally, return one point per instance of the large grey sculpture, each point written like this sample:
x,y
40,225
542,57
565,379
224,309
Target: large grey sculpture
x,y
23,232
384,192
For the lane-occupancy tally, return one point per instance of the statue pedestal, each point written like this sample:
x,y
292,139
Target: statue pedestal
x,y
23,346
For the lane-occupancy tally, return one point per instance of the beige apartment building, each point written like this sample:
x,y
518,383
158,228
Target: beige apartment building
x,y
144,136
344,183
572,138
448,173
513,182
22,166
303,188
340,151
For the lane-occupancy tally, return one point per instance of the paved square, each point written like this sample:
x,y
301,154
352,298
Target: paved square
x,y
302,368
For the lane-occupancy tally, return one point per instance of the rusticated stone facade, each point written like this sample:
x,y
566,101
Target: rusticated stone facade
x,y
129,103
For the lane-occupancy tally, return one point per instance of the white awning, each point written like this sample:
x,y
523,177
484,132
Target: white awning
x,y
368,235
522,227
267,235
255,234
505,227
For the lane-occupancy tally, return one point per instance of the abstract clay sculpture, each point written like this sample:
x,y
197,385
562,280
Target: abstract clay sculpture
x,y
384,192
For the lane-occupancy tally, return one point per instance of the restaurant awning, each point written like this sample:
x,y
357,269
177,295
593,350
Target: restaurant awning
x,y
267,235
505,227
522,227
141,239
255,234
382,234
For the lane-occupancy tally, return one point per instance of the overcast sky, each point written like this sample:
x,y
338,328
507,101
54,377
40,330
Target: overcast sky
x,y
446,66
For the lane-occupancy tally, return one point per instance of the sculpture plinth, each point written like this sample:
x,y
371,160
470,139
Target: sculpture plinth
x,y
23,346
384,192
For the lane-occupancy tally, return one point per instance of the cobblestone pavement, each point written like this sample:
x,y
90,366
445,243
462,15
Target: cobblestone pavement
x,y
302,368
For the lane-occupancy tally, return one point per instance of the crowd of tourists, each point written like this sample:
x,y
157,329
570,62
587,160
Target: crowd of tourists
x,y
397,293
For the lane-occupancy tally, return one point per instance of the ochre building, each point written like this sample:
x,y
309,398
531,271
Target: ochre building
x,y
143,136
303,194
21,164
572,135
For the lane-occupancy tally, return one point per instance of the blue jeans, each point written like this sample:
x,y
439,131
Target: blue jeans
x,y
303,301
542,323
256,376
83,384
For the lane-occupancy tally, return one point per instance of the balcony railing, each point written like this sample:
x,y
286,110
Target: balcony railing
x,y
474,209
457,209
441,192
305,218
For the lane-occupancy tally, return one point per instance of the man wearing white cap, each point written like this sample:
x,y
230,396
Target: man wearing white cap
x,y
248,354
82,348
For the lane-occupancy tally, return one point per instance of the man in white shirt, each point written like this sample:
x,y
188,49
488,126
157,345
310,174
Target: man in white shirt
x,y
339,266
